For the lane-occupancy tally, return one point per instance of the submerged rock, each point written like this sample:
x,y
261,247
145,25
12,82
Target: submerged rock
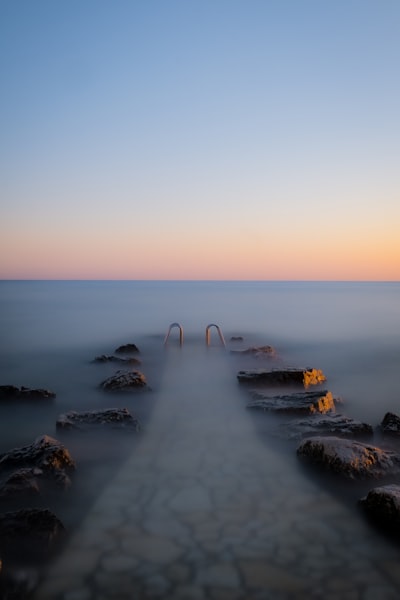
x,y
328,424
257,351
118,359
12,392
125,380
383,505
127,349
304,377
114,417
350,458
390,424
304,402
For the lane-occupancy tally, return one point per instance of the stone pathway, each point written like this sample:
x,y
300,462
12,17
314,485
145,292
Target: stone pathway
x,y
204,510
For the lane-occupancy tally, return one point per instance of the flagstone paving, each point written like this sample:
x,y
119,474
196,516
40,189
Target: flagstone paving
x,y
202,509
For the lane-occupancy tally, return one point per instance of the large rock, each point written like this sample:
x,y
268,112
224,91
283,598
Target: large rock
x,y
304,377
349,458
131,360
46,458
29,531
125,380
12,392
383,505
303,402
327,424
24,481
110,417
127,349
390,424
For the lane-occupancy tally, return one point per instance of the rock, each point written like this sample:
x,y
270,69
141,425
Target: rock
x,y
383,505
329,424
29,531
127,349
236,338
118,359
125,380
390,424
307,402
350,458
305,377
257,351
23,481
46,456
114,417
18,583
12,392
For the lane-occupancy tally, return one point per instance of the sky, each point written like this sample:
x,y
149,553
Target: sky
x,y
200,139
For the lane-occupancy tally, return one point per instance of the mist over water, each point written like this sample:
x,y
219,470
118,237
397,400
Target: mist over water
x,y
50,333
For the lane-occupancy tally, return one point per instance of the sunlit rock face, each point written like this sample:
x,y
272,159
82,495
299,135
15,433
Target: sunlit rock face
x,y
383,505
349,458
124,380
390,424
303,402
304,377
110,417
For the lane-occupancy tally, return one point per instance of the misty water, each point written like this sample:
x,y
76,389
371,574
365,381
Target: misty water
x,y
51,331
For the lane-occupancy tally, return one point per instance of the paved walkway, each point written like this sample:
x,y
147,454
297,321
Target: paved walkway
x,y
204,510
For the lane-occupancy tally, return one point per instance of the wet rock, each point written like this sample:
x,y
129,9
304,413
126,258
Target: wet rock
x,y
12,392
236,338
304,377
349,458
18,584
257,351
303,402
390,424
127,349
118,359
46,456
383,505
113,417
29,531
125,380
329,424
23,481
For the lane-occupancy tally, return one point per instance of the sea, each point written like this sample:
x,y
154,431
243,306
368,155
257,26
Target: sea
x,y
51,331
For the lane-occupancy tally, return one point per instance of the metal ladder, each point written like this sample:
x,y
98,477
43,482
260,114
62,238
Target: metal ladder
x,y
208,333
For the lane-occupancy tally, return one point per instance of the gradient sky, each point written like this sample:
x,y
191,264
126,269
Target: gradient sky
x,y
200,139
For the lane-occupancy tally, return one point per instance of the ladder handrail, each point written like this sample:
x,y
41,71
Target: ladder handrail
x,y
221,337
180,333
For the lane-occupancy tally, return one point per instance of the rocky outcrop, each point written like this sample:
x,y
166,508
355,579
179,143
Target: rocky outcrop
x,y
383,505
304,377
349,458
29,531
24,482
390,424
328,424
127,349
303,402
110,417
12,392
124,380
45,458
104,358
257,351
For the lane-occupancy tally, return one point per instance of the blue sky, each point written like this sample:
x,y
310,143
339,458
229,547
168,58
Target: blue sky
x,y
187,139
